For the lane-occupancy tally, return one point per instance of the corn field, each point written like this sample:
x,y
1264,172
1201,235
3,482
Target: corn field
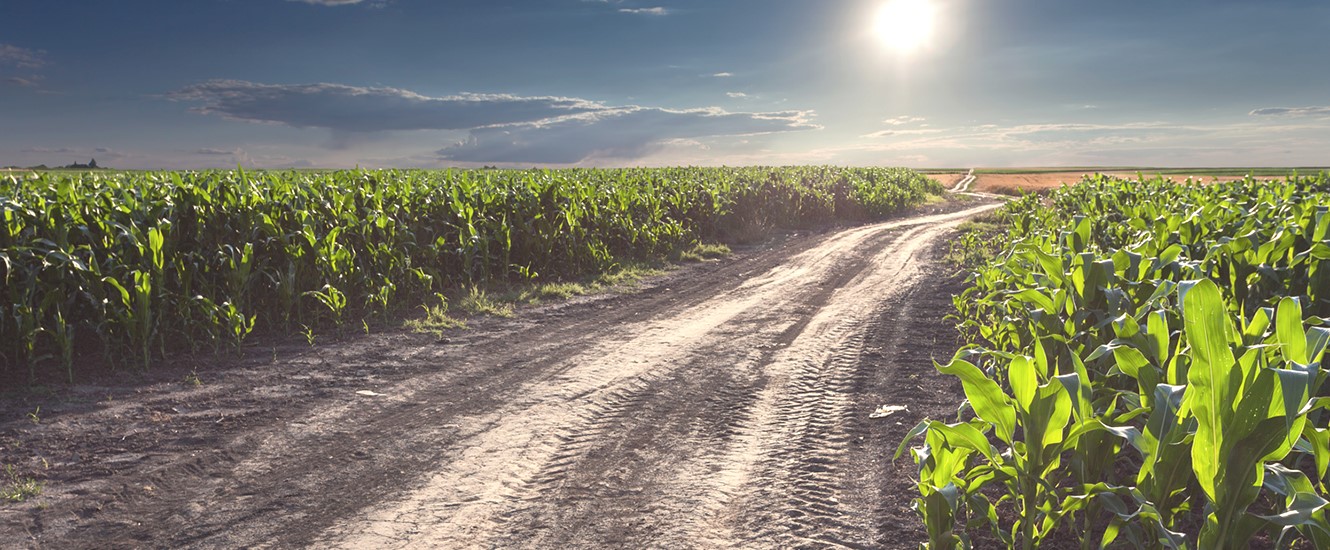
x,y
129,268
1150,374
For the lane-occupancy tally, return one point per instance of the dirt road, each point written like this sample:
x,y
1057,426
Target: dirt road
x,y
724,406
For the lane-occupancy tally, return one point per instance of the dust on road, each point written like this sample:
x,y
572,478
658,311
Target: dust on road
x,y
726,409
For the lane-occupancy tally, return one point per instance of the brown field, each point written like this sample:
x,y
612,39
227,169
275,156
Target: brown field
x,y
948,179
1011,184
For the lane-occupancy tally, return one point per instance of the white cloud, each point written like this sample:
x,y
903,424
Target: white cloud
x,y
22,58
1276,142
502,128
1291,111
738,95
723,75
623,133
904,119
645,11
353,109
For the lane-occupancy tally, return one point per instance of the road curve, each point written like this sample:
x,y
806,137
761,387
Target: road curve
x,y
719,424
725,408
964,184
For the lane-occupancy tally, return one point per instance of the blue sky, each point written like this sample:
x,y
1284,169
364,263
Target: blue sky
x,y
406,83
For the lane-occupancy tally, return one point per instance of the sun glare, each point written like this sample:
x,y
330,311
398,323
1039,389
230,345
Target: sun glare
x,y
905,25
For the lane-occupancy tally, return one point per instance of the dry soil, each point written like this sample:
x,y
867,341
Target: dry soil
x,y
724,405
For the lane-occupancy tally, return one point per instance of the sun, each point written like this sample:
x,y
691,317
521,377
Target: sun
x,y
905,25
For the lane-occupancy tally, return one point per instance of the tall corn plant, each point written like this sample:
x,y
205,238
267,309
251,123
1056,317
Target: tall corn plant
x,y
1198,386
149,263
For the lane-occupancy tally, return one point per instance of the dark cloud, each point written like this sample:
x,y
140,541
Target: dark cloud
x,y
47,150
1291,111
23,58
210,151
624,133
353,109
30,82
503,128
329,2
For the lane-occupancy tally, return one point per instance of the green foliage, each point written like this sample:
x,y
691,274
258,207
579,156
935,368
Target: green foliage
x,y
478,302
1151,370
137,265
700,252
17,488
436,320
980,241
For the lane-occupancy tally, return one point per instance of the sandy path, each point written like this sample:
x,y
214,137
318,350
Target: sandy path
x,y
724,408
767,479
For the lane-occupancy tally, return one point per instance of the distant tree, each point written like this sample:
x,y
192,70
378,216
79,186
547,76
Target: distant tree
x,y
92,163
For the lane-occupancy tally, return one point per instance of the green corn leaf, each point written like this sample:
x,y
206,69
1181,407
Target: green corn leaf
x,y
914,432
1212,387
1024,382
984,395
1301,501
965,436
1318,440
1317,339
1288,328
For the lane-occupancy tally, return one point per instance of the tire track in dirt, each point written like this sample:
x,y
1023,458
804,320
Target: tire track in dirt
x,y
284,482
713,410
798,492
496,488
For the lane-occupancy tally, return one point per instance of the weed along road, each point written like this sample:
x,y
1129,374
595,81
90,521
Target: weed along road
x,y
725,405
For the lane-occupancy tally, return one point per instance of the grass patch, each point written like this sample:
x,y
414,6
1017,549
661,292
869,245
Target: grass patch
x,y
477,301
18,488
986,223
550,291
934,199
981,239
499,301
622,276
452,311
436,320
700,252
625,275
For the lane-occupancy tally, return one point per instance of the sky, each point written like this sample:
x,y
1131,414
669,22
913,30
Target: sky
x,y
520,83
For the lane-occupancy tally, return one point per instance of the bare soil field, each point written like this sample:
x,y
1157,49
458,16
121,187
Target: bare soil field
x,y
948,179
1009,184
726,404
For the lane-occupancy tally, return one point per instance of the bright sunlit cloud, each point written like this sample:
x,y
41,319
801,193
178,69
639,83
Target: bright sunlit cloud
x,y
905,25
204,92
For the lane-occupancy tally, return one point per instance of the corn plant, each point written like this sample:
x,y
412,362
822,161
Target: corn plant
x,y
142,265
1184,326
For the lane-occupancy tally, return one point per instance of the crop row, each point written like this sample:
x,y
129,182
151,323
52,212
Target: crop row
x,y
1150,372
133,266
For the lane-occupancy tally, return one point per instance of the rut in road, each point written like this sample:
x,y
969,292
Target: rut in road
x,y
723,406
722,422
